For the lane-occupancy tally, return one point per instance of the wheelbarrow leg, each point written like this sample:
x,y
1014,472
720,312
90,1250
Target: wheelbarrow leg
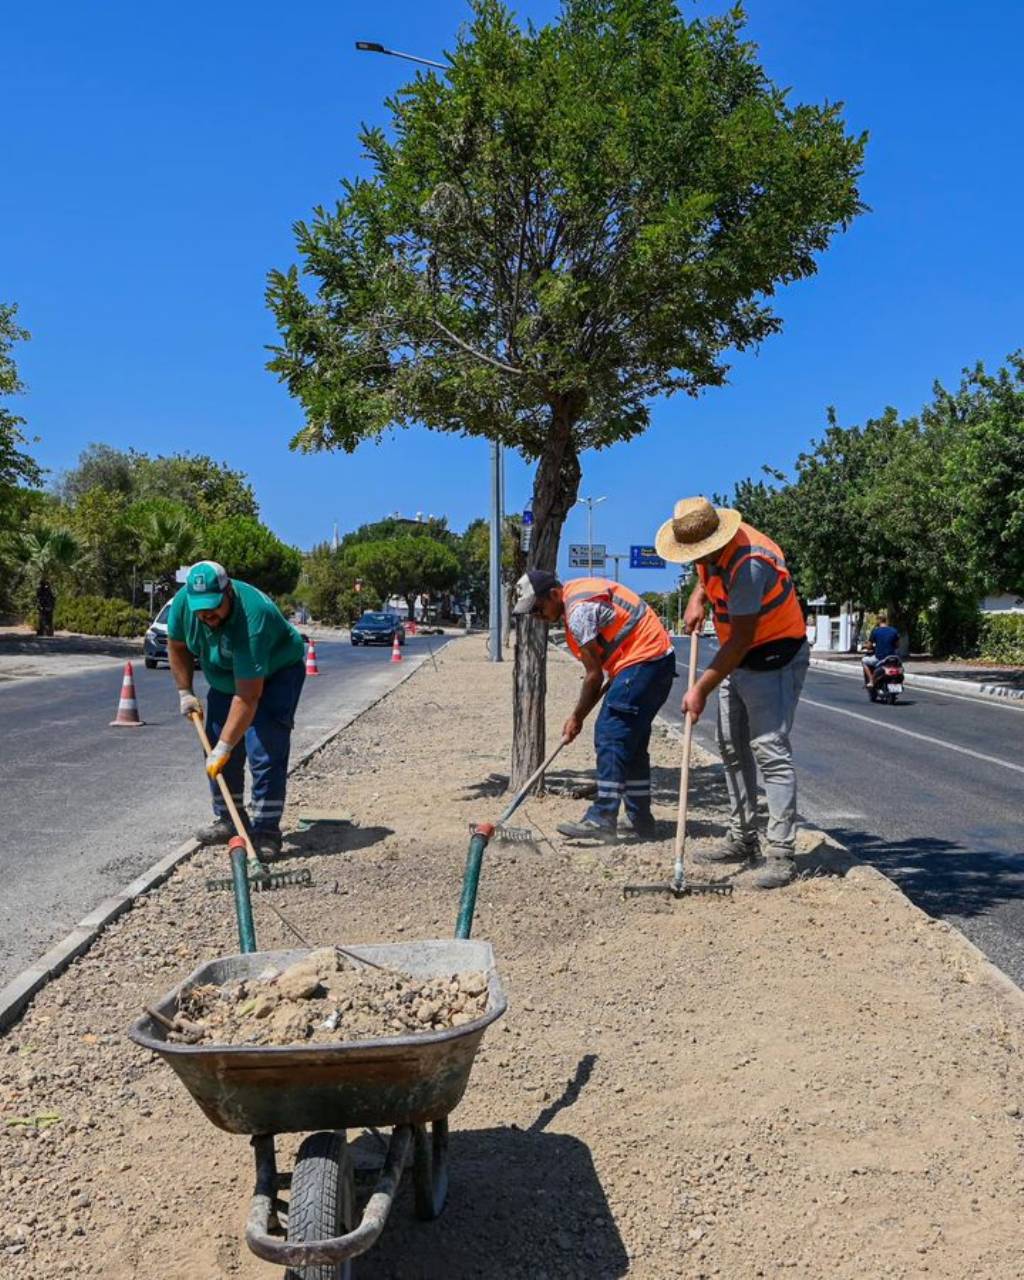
x,y
430,1168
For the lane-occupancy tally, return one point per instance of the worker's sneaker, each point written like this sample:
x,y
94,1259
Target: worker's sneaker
x,y
267,845
776,869
219,831
732,849
637,829
588,829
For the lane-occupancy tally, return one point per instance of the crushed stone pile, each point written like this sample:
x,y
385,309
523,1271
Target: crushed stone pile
x,y
324,998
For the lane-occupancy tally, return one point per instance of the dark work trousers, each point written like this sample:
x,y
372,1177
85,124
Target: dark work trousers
x,y
622,735
267,743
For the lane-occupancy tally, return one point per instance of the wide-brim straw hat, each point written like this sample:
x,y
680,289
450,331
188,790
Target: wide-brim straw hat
x,y
696,529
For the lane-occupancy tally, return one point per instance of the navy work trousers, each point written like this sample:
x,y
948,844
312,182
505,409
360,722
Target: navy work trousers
x,y
266,743
622,735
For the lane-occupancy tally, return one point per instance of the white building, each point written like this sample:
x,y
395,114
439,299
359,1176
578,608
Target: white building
x,y
1002,602
829,627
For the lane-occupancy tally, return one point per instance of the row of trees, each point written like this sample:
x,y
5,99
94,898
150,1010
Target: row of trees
x,y
921,516
408,559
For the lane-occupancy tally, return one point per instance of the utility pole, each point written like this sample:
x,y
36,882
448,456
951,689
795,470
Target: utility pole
x,y
497,465
617,556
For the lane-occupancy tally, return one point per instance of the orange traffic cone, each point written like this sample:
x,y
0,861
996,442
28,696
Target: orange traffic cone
x,y
128,706
311,668
396,652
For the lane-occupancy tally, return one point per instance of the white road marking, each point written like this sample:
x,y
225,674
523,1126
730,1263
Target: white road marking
x,y
909,733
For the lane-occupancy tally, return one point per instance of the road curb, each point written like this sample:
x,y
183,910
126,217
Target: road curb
x,y
968,690
16,995
839,860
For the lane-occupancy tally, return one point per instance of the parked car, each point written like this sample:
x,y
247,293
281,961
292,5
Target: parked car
x,y
155,644
378,628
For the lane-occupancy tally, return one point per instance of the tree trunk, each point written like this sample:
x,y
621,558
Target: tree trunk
x,y
555,487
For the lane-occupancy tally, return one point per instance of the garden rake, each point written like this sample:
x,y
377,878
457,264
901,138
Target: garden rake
x,y
678,886
255,873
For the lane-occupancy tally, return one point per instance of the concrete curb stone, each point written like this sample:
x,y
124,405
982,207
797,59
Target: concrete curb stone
x,y
17,994
963,687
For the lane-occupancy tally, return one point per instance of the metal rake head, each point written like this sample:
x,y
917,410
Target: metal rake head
x,y
263,883
515,835
674,890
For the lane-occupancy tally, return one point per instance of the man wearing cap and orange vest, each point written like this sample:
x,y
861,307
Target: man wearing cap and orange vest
x,y
759,672
252,658
614,634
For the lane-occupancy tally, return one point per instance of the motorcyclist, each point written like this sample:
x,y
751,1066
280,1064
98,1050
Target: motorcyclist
x,y
883,643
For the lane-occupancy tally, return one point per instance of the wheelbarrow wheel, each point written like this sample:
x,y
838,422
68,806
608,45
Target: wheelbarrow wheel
x,y
430,1169
322,1202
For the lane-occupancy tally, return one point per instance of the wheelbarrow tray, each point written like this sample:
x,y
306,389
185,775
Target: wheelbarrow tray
x,y
394,1080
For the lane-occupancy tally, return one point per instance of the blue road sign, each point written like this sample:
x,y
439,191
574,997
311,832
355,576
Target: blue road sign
x,y
645,558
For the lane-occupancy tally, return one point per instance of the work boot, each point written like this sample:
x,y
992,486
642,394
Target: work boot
x,y
267,845
588,829
637,828
219,831
776,869
732,849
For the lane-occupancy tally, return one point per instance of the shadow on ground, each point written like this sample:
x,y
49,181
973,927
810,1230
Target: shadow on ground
x,y
940,876
522,1203
100,645
322,839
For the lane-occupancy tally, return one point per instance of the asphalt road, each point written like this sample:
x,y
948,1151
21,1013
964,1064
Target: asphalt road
x,y
929,791
85,808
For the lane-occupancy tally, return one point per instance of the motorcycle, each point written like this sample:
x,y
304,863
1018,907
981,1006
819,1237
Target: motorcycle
x,y
885,681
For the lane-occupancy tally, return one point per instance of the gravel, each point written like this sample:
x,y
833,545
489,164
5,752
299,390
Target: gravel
x,y
815,1081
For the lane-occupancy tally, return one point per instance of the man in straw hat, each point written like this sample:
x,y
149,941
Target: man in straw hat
x,y
759,671
615,634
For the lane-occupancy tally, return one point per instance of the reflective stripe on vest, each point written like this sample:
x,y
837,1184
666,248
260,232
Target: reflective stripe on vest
x,y
780,614
634,634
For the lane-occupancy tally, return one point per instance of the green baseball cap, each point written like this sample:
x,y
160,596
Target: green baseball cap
x,y
205,585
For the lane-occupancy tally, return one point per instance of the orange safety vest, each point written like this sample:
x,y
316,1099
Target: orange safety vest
x,y
633,635
781,616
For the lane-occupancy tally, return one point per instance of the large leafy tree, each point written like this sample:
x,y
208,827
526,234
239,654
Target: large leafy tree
x,y
251,552
577,219
406,566
20,474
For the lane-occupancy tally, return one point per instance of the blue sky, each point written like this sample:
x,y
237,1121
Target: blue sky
x,y
153,160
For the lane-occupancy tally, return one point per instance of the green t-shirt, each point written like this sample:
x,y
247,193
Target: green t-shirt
x,y
253,642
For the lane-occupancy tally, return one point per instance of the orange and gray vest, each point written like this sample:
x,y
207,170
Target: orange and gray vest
x,y
781,616
634,633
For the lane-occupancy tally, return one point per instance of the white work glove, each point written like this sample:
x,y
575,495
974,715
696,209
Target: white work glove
x,y
217,759
189,704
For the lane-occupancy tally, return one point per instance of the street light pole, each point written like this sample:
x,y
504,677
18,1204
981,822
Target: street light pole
x,y
590,504
494,593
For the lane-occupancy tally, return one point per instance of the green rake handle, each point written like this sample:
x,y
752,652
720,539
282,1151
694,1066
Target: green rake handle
x,y
478,843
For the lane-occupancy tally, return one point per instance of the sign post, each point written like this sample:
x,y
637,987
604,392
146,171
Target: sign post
x,y
641,557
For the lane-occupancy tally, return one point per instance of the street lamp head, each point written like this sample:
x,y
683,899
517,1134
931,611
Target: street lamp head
x,y
370,46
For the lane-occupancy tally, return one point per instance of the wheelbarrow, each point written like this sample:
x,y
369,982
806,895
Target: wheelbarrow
x,y
406,1083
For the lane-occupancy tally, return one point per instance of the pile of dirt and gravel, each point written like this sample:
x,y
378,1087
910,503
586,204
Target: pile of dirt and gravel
x,y
818,1081
326,998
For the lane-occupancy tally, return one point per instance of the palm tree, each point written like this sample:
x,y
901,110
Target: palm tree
x,y
48,557
167,540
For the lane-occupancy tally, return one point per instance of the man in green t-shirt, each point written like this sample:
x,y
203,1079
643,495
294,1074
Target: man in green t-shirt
x,y
252,658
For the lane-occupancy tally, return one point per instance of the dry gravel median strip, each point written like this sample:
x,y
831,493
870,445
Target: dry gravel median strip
x,y
816,1080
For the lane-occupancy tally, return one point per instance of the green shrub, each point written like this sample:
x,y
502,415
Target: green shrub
x,y
950,626
97,616
1001,637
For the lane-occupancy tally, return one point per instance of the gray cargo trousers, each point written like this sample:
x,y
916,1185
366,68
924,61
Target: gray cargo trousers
x,y
755,718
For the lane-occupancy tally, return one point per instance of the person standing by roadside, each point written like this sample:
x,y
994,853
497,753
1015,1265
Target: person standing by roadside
x,y
44,603
253,660
758,670
615,634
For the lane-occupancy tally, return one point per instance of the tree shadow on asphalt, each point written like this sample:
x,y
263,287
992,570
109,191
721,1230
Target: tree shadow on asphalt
x,y
940,876
522,1203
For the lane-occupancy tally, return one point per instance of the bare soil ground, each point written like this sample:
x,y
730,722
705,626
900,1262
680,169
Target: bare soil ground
x,y
815,1081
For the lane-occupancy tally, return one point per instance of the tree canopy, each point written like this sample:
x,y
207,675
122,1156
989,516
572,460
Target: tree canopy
x,y
249,551
573,220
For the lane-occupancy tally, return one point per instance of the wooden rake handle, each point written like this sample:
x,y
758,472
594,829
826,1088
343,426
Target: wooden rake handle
x,y
224,789
684,772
